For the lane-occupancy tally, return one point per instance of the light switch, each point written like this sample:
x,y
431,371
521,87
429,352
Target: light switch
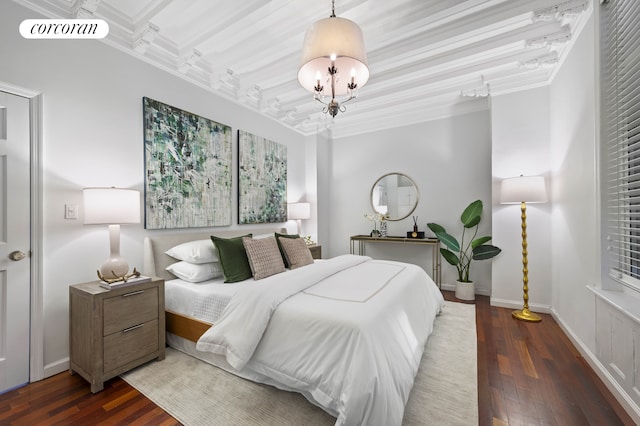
x,y
70,211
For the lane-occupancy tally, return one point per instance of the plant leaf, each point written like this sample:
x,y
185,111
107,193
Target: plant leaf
x,y
449,256
473,222
449,241
471,215
486,251
435,228
480,241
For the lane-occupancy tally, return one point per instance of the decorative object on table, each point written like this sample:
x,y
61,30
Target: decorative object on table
x,y
460,254
299,212
129,279
395,196
262,180
375,218
188,169
333,45
415,233
112,206
522,190
308,240
383,228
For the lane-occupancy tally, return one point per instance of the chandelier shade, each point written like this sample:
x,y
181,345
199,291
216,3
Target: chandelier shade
x,y
342,40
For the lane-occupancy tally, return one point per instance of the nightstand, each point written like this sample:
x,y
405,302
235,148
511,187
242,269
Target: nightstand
x,y
113,331
316,251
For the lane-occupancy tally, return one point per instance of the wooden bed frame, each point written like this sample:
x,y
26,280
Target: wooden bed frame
x,y
155,262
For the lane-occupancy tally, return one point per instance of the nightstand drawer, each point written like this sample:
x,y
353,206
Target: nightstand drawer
x,y
129,309
130,344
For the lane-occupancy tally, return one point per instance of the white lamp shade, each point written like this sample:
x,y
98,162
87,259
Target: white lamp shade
x,y
333,36
527,189
296,211
111,206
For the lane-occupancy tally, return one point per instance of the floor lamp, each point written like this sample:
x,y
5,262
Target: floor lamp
x,y
522,190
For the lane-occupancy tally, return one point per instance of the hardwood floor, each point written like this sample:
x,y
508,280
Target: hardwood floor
x,y
528,374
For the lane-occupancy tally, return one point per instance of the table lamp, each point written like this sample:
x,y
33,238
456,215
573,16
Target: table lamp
x,y
522,190
112,206
298,212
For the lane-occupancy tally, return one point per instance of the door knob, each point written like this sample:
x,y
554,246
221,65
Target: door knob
x,y
17,255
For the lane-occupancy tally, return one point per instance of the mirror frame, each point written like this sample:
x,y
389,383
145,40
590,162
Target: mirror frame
x,y
414,204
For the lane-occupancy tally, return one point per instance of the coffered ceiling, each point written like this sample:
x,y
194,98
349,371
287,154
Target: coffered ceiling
x,y
428,59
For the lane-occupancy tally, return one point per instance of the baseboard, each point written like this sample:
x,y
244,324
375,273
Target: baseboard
x,y
619,394
511,304
56,367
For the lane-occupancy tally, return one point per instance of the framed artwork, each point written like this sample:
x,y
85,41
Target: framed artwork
x,y
188,169
262,180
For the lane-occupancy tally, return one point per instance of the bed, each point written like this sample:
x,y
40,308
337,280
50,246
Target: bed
x,y
348,333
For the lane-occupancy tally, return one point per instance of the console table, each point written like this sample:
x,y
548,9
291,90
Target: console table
x,y
361,241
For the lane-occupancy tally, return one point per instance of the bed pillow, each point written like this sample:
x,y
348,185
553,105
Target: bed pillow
x,y
278,236
195,272
199,251
233,258
297,252
264,257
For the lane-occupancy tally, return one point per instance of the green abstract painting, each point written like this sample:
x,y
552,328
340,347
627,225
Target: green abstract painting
x,y
188,169
262,180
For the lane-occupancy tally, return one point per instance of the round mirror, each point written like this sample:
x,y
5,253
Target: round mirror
x,y
394,195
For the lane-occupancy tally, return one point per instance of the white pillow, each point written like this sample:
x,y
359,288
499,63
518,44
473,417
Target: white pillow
x,y
262,236
195,272
199,251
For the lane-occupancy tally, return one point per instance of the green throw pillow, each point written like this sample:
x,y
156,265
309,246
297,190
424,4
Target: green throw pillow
x,y
284,257
233,258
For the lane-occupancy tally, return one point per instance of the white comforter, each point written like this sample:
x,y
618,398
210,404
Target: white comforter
x,y
348,333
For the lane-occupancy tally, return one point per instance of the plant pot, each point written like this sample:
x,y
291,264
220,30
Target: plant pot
x,y
465,291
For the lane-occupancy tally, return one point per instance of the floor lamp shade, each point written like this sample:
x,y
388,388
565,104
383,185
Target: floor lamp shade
x,y
298,212
111,206
522,190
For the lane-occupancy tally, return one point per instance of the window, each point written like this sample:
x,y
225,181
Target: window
x,y
620,78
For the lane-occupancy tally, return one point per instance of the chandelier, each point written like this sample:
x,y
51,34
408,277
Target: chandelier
x,y
331,46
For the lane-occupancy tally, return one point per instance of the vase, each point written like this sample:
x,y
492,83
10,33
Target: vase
x,y
465,291
383,229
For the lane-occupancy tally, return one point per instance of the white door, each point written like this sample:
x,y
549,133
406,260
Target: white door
x,y
14,241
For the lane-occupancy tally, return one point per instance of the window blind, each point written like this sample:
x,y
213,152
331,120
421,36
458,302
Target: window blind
x,y
620,62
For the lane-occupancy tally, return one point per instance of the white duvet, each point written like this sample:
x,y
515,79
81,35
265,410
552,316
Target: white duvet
x,y
348,333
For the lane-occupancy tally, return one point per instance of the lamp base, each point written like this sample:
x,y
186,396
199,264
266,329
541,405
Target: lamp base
x,y
526,315
114,267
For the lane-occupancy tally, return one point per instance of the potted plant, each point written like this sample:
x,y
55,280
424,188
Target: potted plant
x,y
460,254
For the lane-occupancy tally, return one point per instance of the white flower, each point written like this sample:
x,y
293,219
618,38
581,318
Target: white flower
x,y
375,217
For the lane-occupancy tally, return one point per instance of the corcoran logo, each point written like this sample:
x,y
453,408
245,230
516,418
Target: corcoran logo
x,y
64,28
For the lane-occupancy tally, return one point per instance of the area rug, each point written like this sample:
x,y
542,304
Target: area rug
x,y
196,393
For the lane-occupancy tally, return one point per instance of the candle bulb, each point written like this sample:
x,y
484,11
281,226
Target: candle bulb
x,y
353,75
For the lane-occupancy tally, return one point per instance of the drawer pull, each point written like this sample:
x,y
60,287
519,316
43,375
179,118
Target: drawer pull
x,y
126,330
133,293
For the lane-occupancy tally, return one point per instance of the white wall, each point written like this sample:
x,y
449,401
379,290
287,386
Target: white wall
x,y
450,162
551,131
575,231
520,146
92,131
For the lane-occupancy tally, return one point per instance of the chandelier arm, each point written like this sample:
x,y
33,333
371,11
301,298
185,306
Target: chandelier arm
x,y
321,101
